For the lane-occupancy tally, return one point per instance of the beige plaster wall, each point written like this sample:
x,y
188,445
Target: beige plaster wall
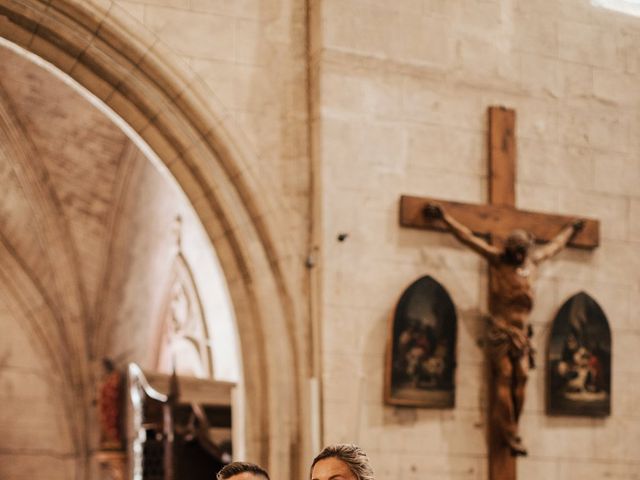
x,y
403,89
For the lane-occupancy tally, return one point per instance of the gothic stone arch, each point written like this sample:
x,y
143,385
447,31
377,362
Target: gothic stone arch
x,y
123,65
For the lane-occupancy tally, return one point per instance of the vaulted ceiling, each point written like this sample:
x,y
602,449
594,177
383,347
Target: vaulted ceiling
x,y
65,174
87,243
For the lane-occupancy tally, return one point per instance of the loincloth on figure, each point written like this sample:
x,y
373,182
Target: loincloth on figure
x,y
509,340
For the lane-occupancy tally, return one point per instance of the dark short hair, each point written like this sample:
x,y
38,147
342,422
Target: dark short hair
x,y
236,468
352,455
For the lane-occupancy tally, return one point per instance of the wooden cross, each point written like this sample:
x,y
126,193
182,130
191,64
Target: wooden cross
x,y
495,221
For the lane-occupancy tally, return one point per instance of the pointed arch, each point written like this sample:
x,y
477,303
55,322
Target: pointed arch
x,y
421,348
579,359
126,67
183,316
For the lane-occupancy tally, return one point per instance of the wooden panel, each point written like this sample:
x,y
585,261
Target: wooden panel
x,y
502,156
194,390
502,465
497,221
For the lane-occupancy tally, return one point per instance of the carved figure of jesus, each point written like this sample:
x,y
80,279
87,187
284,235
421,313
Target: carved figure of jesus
x,y
511,301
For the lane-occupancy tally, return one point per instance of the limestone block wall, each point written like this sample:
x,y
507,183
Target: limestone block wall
x,y
402,93
399,96
251,55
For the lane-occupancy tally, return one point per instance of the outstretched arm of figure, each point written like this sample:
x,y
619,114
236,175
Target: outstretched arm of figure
x,y
558,243
463,233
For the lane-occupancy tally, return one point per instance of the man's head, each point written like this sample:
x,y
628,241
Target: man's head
x,y
517,246
242,471
341,462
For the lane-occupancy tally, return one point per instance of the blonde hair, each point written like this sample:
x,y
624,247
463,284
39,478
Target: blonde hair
x,y
352,455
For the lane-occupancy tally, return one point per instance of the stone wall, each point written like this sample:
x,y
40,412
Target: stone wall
x,y
401,98
399,92
251,55
234,160
403,89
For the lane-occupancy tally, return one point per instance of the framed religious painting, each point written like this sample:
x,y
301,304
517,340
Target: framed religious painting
x,y
579,360
421,348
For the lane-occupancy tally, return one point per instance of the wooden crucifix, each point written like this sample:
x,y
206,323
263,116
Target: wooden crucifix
x,y
504,236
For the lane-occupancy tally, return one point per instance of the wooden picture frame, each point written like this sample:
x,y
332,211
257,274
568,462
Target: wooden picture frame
x,y
579,360
421,348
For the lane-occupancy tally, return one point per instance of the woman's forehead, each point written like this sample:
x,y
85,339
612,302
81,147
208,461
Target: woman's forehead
x,y
330,467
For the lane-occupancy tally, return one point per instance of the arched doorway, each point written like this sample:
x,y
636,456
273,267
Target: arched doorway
x,y
94,46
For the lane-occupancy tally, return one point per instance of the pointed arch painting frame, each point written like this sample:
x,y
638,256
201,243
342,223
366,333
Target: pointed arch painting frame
x,y
421,348
196,335
579,360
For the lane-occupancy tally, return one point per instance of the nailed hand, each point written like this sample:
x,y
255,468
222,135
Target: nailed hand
x,y
433,211
578,224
